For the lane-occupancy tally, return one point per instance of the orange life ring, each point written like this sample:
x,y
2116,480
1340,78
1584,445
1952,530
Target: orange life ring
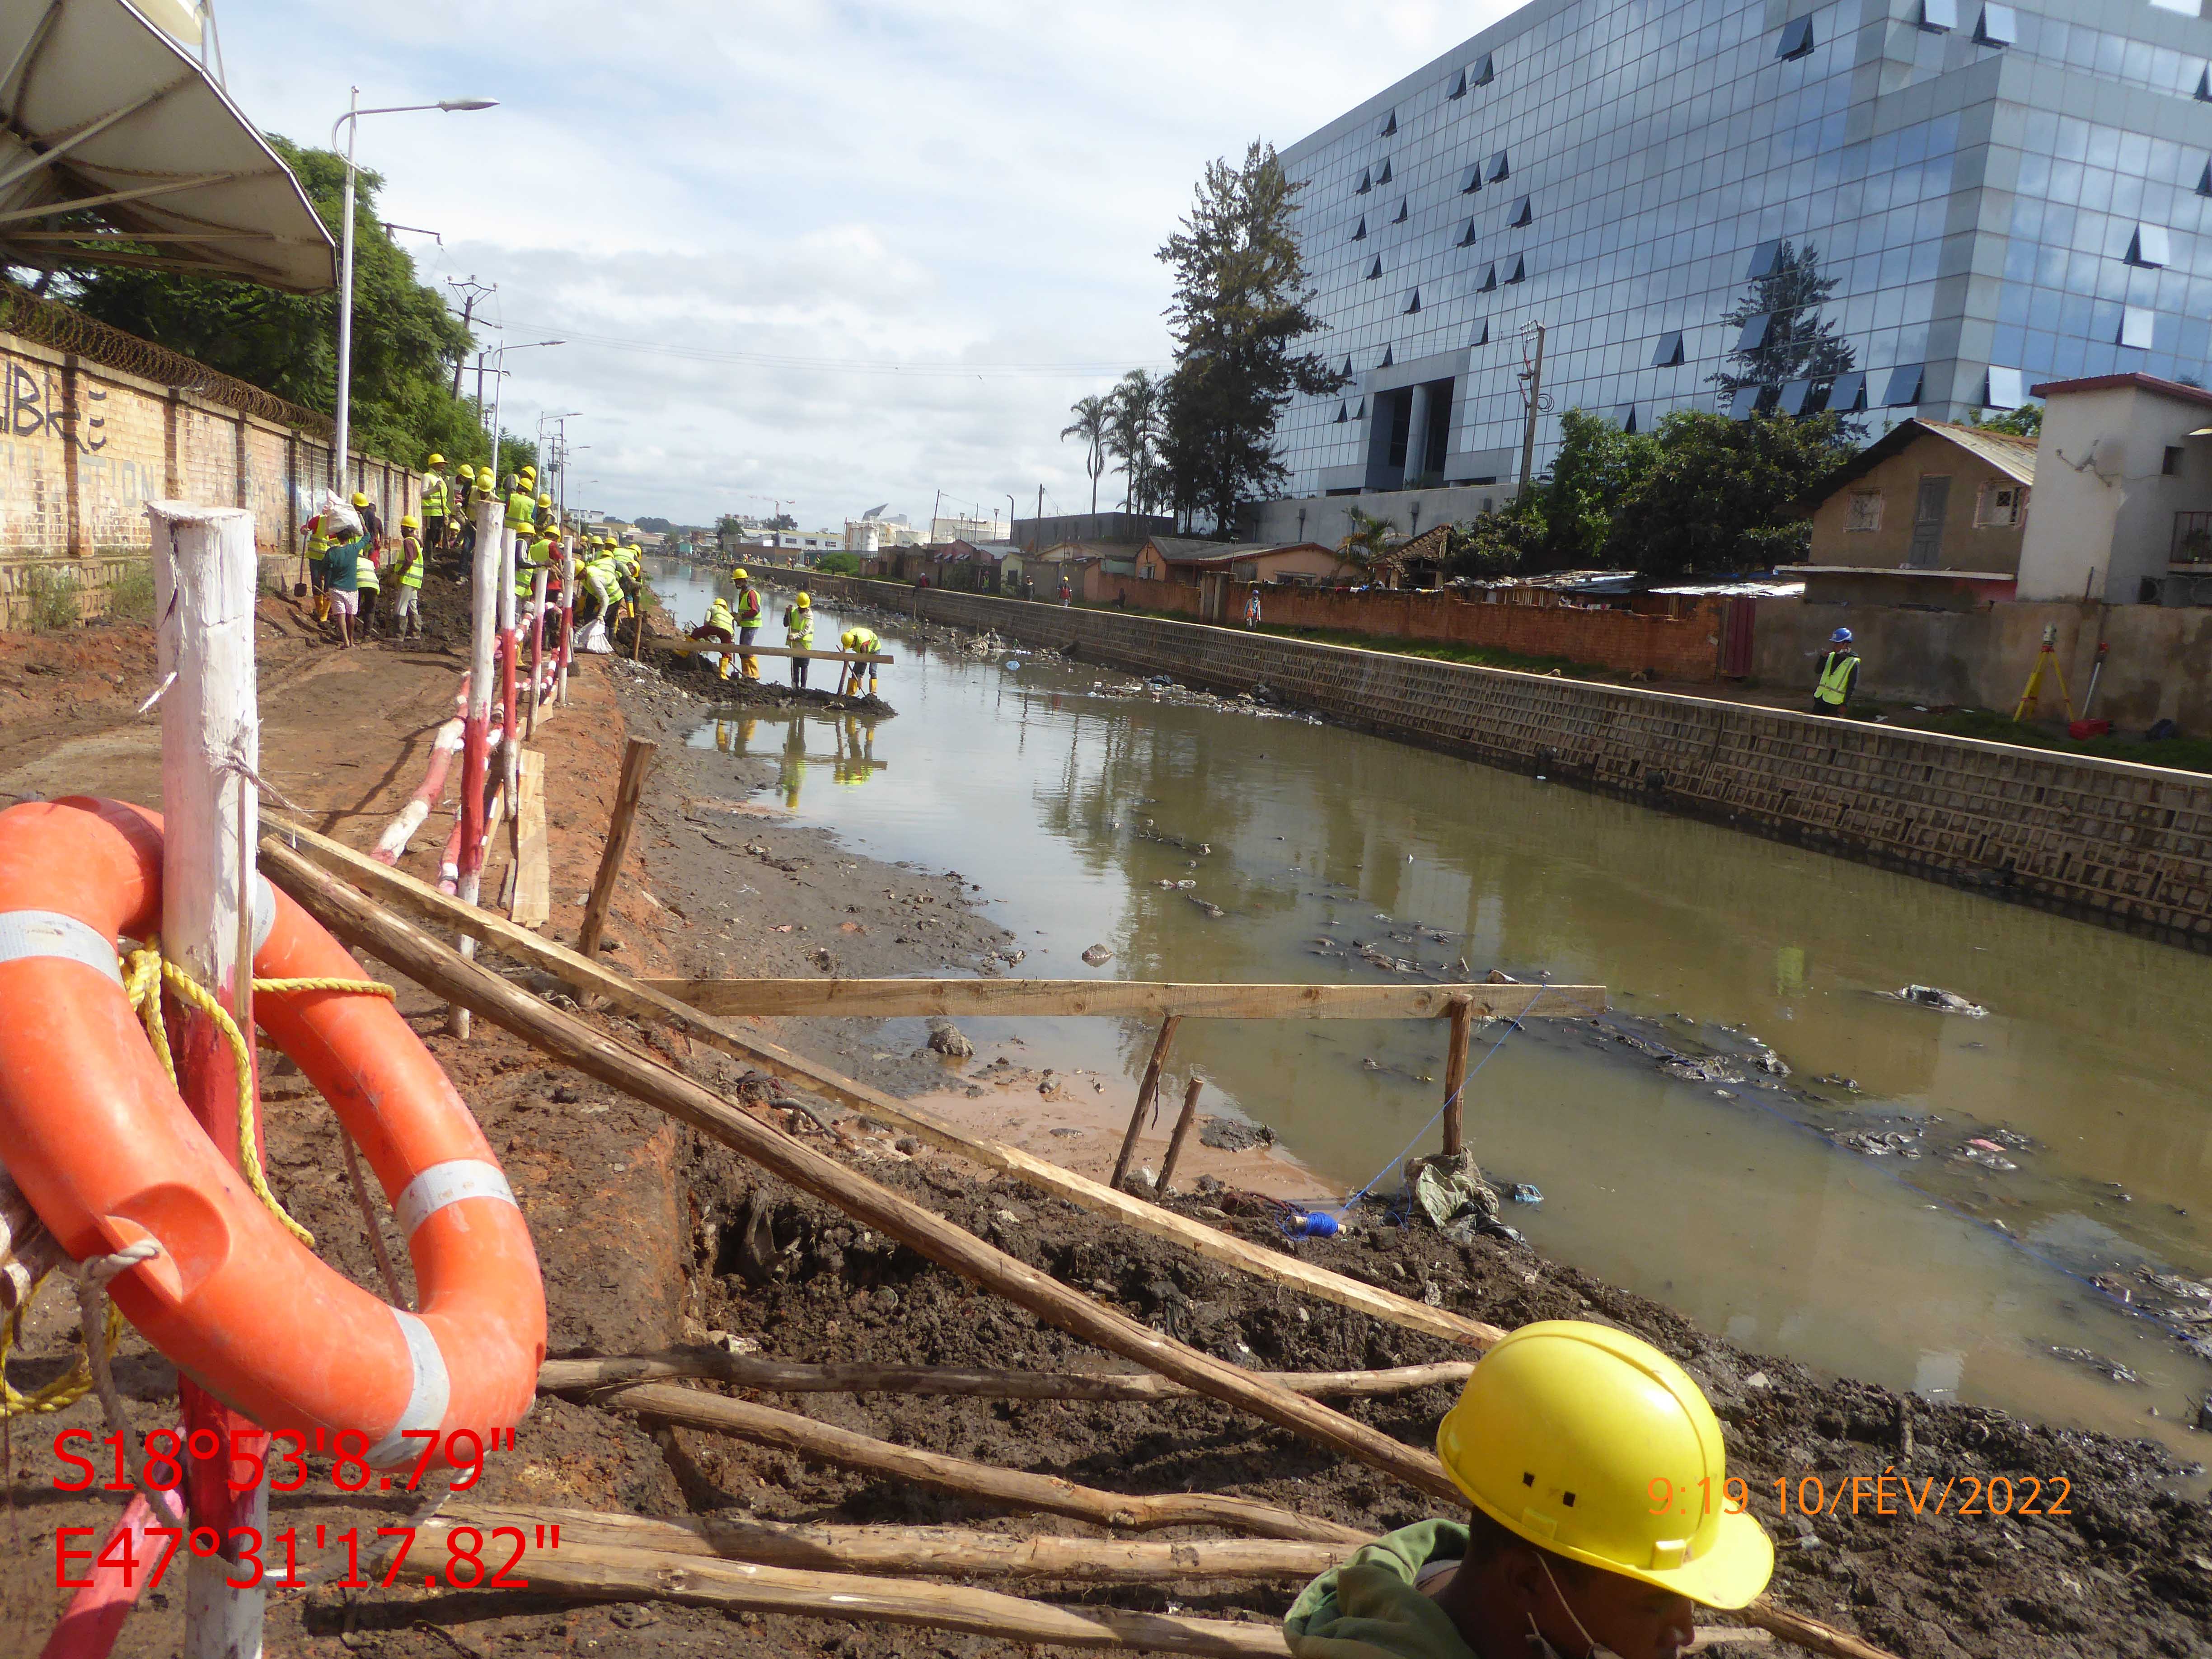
x,y
105,1152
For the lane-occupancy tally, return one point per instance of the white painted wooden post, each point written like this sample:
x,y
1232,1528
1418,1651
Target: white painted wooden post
x,y
476,729
537,647
510,739
204,577
568,610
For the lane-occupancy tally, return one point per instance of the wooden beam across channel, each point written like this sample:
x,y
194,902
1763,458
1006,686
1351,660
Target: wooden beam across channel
x,y
1152,999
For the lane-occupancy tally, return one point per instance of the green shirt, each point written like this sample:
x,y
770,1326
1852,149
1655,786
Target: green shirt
x,y
1368,1609
342,563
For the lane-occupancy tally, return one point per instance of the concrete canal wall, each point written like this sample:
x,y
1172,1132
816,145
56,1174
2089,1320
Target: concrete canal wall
x,y
2128,844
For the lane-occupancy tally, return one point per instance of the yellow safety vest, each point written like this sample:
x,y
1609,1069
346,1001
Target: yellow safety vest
x,y
798,627
319,541
748,608
521,510
410,560
863,641
1835,678
364,577
434,494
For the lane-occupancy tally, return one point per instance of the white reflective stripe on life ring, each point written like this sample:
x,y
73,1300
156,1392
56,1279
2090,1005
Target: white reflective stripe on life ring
x,y
264,912
25,934
448,1183
426,1401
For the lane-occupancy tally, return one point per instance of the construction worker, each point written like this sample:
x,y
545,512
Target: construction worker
x,y
436,494
1601,1518
408,565
368,584
317,532
720,628
629,570
342,563
749,619
862,641
595,588
1838,675
798,634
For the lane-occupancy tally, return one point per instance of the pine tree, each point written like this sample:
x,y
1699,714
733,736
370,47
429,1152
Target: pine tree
x,y
1241,304
1800,343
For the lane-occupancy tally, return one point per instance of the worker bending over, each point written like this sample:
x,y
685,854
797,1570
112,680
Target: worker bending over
x,y
720,628
408,566
862,641
798,634
1602,1517
748,620
1838,675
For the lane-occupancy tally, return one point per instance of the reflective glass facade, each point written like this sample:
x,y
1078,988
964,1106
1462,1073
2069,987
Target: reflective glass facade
x,y
2003,195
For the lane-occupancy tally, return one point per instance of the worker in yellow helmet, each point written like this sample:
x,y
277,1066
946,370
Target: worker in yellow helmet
x,y
799,634
720,628
749,619
437,496
862,641
366,587
1602,1517
408,565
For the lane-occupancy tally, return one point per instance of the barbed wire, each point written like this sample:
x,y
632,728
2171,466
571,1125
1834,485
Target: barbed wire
x,y
50,323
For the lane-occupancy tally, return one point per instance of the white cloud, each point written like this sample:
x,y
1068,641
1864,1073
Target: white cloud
x,y
922,182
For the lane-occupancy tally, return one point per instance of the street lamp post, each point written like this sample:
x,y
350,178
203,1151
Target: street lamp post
x,y
351,122
499,388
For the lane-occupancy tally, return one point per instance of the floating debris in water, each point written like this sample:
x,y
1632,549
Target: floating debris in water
x,y
1944,1002
1524,1193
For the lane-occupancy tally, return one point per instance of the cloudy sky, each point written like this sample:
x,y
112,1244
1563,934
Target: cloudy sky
x,y
832,254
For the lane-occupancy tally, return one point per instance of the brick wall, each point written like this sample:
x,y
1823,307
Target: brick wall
x,y
2131,846
1682,648
83,448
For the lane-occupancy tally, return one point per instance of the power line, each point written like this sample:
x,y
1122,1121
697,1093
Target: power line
x,y
847,365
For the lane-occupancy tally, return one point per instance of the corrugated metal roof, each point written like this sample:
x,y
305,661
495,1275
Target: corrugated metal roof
x,y
2008,451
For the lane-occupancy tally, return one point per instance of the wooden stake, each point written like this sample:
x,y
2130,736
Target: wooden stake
x,y
785,1377
510,729
638,1000
764,1425
1183,1122
476,728
637,622
1455,1071
204,576
537,647
1147,1092
568,612
637,757
432,965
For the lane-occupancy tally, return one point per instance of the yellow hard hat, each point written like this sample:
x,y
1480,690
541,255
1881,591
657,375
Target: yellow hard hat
x,y
1570,1435
435,460
409,521
803,603
741,574
544,501
360,500
468,472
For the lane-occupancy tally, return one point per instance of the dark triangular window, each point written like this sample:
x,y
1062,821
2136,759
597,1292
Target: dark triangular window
x,y
1481,73
1796,38
1400,219
1366,183
1412,302
1481,333
1343,413
1499,168
1347,363
1360,413
1670,355
1360,235
1390,359
2204,181
1471,180
1382,173
1520,271
1467,236
1390,125
1524,213
1375,269
1458,88
1489,279
2204,87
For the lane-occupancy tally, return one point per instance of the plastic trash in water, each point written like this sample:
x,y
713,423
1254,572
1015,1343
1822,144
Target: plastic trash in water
x,y
1314,1224
1525,1193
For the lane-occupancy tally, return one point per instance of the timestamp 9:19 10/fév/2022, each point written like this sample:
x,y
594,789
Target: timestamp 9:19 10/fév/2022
x,y
1888,1493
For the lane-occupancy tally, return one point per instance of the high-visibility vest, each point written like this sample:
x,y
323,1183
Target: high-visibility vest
x,y
865,642
410,560
798,626
748,609
521,510
718,616
319,540
434,494
1835,683
365,576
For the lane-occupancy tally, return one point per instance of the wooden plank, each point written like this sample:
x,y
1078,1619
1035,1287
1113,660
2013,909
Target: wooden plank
x,y
628,996
714,648
637,757
534,881
889,998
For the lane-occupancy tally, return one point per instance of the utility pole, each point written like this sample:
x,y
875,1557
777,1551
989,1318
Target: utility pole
x,y
471,291
1531,395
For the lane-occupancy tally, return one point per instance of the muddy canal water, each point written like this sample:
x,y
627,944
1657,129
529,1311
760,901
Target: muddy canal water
x,y
1840,1213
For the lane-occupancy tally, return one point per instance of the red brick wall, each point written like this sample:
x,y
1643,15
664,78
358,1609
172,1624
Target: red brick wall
x,y
1684,648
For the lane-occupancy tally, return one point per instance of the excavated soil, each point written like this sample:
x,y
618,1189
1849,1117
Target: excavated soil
x,y
650,1235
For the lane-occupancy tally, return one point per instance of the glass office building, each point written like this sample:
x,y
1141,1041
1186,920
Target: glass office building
x,y
1999,195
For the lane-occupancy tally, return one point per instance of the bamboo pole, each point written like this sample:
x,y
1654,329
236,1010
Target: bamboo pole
x,y
476,728
636,758
204,577
628,996
785,1377
764,1425
1175,1143
432,965
1146,1092
1456,1073
510,730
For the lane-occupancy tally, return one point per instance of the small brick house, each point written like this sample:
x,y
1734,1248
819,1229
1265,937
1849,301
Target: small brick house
x,y
1933,513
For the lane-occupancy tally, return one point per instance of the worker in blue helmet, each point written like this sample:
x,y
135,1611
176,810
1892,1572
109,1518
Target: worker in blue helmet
x,y
1838,675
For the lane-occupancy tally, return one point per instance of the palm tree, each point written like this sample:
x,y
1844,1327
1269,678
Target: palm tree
x,y
1368,546
1132,436
1093,416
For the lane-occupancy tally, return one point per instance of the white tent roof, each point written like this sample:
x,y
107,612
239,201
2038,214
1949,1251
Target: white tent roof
x,y
105,115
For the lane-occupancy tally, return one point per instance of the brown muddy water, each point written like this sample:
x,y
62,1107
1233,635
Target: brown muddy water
x,y
1839,1212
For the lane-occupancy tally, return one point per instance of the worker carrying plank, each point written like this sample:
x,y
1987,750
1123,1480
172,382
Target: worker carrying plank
x,y
1602,1517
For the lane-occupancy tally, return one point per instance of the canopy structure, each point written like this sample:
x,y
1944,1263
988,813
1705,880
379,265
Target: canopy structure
x,y
115,146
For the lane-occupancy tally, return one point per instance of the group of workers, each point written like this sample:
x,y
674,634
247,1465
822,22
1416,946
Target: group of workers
x,y
740,626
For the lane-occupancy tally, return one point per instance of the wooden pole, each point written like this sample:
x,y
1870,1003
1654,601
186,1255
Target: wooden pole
x,y
637,758
786,1376
536,648
764,1425
476,728
510,732
1461,1016
891,999
432,965
567,611
638,1000
1147,1092
637,617
204,585
1183,1122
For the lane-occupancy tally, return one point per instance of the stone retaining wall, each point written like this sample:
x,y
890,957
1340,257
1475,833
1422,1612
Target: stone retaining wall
x,y
2128,844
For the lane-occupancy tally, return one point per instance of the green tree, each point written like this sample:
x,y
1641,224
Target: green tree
x,y
1242,305
405,342
1501,542
1132,436
2026,422
1725,495
1093,416
1797,341
1599,469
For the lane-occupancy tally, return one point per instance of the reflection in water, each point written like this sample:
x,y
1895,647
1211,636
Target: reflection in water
x,y
1728,1202
852,759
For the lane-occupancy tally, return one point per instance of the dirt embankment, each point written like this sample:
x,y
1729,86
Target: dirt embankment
x,y
650,1234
